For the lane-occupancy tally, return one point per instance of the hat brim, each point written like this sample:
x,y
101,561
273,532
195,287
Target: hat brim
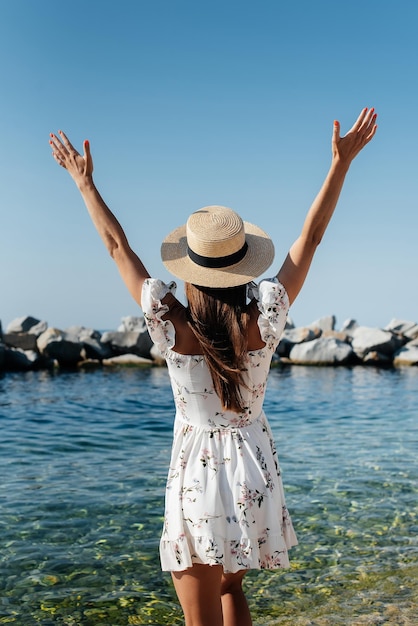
x,y
258,258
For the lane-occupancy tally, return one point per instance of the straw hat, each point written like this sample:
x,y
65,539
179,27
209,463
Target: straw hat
x,y
215,248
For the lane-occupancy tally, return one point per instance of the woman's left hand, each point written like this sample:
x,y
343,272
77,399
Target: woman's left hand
x,y
80,167
345,149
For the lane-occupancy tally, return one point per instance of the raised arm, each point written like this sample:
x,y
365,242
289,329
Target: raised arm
x,y
295,268
80,168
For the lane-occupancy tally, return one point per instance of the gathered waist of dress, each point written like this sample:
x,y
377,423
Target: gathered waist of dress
x,y
221,422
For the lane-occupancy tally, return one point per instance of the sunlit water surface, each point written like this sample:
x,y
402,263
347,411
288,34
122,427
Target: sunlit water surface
x,y
83,458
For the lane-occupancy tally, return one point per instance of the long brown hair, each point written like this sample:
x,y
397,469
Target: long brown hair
x,y
218,319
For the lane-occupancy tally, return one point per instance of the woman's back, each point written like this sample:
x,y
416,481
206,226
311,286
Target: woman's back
x,y
186,341
196,401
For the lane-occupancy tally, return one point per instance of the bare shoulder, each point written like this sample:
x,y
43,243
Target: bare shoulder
x,y
186,342
254,339
176,310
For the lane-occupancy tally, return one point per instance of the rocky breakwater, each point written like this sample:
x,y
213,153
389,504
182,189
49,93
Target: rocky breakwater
x,y
321,344
29,343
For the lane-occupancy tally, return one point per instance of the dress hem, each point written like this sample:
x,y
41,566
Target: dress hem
x,y
233,555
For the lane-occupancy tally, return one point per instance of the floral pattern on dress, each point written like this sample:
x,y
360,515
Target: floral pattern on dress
x,y
211,461
225,503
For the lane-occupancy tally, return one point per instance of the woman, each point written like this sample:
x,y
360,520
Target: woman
x,y
225,506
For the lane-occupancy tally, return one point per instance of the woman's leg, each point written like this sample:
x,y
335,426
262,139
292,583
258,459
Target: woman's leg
x,y
199,592
234,603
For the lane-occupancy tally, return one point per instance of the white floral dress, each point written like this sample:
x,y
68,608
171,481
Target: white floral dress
x,y
225,503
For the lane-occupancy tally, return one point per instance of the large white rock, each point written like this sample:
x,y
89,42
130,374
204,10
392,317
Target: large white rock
x,y
293,336
90,339
349,326
27,324
366,339
337,334
133,342
324,323
412,333
402,327
54,344
127,359
132,323
94,349
407,355
322,351
80,333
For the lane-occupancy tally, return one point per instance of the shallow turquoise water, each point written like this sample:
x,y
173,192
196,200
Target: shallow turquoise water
x,y
83,458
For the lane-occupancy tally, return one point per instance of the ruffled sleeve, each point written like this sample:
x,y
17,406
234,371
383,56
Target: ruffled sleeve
x,y
273,304
161,331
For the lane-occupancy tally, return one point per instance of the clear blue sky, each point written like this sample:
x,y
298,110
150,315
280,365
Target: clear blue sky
x,y
191,103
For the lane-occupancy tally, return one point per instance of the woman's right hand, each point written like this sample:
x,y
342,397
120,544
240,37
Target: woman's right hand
x,y
346,148
294,270
80,167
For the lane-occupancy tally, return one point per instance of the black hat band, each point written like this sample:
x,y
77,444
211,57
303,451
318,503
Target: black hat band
x,y
218,262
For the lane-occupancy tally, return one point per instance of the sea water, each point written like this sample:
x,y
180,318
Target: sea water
x,y
83,459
